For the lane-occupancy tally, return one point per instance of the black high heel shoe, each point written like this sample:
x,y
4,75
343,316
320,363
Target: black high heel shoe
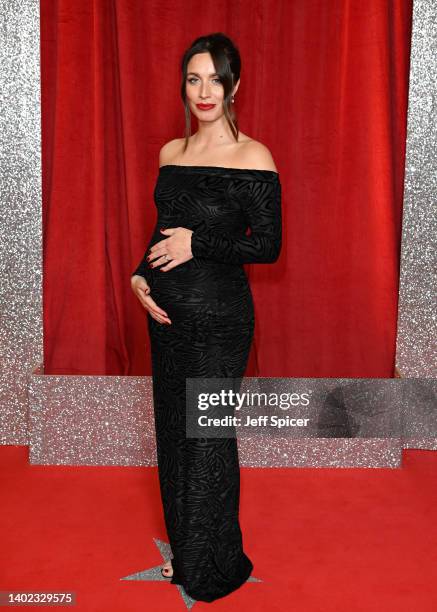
x,y
167,569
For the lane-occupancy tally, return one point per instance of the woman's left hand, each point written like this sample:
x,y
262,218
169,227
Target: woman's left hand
x,y
177,247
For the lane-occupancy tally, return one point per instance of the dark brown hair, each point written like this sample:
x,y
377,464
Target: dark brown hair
x,y
227,64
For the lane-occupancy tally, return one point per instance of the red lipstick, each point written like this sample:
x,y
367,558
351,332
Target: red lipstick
x,y
205,106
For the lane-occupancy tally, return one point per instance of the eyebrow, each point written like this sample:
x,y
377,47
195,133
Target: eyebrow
x,y
195,73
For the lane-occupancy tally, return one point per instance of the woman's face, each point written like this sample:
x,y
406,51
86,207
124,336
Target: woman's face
x,y
204,90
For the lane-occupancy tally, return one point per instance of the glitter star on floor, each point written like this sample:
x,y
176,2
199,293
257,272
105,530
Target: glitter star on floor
x,y
154,573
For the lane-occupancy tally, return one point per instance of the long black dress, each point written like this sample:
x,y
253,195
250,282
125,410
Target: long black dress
x,y
209,302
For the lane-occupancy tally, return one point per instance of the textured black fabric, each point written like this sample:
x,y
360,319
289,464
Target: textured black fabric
x,y
209,302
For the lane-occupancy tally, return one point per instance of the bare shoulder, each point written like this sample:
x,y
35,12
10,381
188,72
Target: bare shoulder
x,y
256,155
170,150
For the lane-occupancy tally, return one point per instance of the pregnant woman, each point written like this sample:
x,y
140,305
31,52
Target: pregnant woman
x,y
212,186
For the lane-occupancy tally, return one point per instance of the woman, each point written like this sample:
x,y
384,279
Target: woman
x,y
211,187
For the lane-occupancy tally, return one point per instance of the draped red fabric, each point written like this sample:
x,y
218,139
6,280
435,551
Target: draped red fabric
x,y
324,85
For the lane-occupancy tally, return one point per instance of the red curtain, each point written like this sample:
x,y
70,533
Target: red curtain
x,y
324,85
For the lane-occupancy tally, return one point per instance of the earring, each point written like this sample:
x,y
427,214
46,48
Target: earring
x,y
232,99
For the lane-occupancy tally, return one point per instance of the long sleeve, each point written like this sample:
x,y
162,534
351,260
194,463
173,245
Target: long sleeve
x,y
143,268
262,212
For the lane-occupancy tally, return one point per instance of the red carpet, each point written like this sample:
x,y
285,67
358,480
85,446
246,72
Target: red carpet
x,y
325,540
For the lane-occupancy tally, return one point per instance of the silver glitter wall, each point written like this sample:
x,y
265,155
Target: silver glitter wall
x,y
108,420
416,354
20,224
94,420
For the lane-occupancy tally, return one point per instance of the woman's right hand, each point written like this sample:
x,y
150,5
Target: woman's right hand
x,y
142,290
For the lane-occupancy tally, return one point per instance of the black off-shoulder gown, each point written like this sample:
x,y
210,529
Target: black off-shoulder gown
x,y
209,302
